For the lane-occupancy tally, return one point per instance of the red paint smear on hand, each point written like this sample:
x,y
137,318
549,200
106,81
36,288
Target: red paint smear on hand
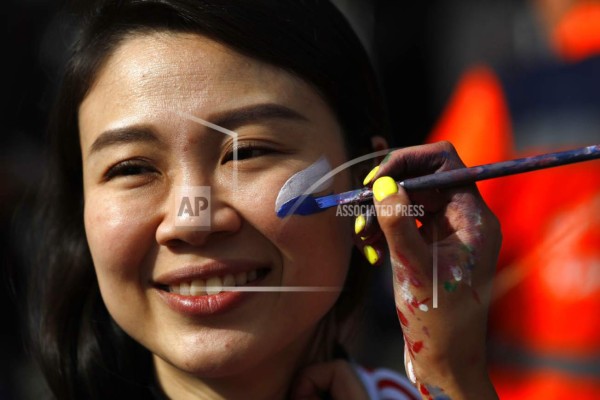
x,y
423,389
402,275
415,282
403,261
409,347
402,317
413,347
414,303
417,346
426,331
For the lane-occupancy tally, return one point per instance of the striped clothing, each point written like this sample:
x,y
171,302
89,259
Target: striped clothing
x,y
385,384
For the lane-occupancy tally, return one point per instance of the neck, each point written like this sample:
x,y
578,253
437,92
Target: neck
x,y
270,379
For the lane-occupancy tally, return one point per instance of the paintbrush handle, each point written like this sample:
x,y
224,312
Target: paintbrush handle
x,y
440,180
463,176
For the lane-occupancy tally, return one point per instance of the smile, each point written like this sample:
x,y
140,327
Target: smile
x,y
216,284
210,288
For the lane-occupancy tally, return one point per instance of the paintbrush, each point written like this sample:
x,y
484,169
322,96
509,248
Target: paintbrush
x,y
308,204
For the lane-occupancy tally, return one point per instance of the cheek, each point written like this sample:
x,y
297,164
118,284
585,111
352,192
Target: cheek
x,y
119,234
315,250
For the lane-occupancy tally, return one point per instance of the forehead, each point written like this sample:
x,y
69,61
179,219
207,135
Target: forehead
x,y
187,72
171,56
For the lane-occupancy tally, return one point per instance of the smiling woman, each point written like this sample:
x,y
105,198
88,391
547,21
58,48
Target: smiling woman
x,y
165,97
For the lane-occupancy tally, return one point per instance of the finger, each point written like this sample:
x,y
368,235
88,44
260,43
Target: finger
x,y
336,378
365,225
374,253
423,160
462,207
369,239
418,160
407,248
409,253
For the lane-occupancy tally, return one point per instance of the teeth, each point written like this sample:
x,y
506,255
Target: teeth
x,y
184,288
198,287
214,285
229,280
241,278
252,275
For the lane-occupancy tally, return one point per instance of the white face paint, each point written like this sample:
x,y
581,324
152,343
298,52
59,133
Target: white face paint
x,y
302,181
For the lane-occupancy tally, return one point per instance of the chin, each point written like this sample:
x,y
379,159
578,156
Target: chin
x,y
214,359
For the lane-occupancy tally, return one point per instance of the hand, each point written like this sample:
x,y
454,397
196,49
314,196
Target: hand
x,y
444,342
335,380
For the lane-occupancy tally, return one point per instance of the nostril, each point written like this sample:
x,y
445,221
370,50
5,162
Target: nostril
x,y
173,243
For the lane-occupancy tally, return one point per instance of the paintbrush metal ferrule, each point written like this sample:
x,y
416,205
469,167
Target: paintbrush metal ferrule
x,y
351,197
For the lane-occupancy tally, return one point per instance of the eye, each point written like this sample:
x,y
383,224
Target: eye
x,y
129,168
245,152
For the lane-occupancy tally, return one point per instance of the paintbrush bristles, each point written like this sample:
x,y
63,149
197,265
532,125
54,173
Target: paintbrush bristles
x,y
301,205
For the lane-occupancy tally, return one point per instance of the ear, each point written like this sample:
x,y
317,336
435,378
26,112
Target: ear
x,y
378,143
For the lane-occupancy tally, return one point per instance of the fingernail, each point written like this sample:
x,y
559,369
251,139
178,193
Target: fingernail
x,y
383,187
359,224
371,254
370,176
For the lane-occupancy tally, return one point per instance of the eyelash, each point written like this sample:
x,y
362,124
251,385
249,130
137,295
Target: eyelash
x,y
127,168
243,150
134,167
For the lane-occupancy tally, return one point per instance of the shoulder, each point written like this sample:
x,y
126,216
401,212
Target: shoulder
x,y
385,384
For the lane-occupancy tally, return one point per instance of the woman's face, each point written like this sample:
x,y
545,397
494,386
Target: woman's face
x,y
140,151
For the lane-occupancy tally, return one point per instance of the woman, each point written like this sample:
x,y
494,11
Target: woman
x,y
165,97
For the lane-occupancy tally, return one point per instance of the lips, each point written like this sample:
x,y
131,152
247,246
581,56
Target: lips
x,y
215,284
202,289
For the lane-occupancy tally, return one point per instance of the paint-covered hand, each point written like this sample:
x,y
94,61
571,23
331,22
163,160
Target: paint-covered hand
x,y
442,270
335,380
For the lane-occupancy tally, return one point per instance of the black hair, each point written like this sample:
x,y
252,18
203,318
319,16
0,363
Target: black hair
x,y
82,352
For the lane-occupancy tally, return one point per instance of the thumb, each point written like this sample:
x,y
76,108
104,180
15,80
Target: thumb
x,y
396,216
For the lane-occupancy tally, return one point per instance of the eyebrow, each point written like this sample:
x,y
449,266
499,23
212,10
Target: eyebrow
x,y
124,135
242,116
230,120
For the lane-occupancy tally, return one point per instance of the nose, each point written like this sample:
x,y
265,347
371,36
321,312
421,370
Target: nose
x,y
194,216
